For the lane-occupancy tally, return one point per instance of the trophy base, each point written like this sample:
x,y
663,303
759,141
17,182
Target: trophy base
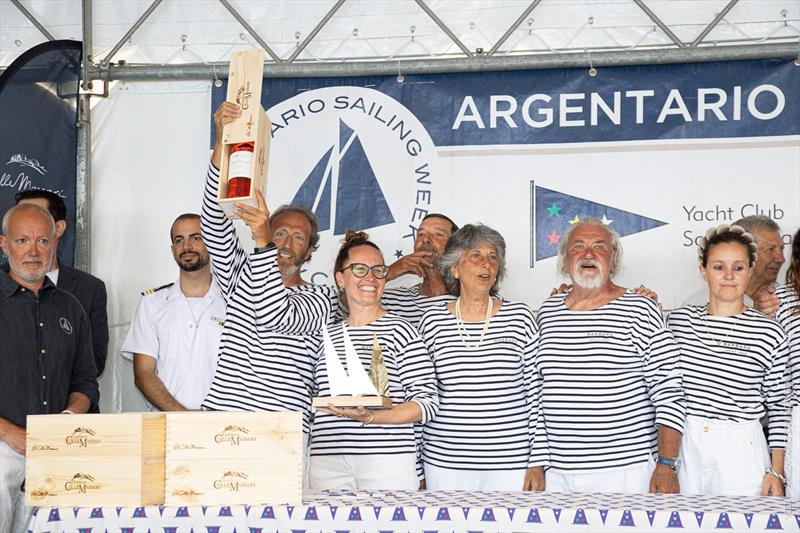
x,y
370,402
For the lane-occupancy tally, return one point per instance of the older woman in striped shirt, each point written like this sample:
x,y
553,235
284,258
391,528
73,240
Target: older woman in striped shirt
x,y
733,360
482,348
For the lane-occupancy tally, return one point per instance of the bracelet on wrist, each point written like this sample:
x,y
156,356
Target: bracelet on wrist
x,y
772,471
369,420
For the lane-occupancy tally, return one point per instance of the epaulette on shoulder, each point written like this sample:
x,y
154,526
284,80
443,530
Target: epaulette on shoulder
x,y
151,291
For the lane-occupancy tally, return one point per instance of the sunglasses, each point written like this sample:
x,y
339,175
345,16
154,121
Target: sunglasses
x,y
360,270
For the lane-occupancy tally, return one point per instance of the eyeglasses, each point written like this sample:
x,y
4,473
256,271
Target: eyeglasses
x,y
360,270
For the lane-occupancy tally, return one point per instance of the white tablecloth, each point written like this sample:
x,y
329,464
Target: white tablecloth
x,y
439,512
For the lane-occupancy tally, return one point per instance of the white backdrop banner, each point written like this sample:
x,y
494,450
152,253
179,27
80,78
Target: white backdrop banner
x,y
660,153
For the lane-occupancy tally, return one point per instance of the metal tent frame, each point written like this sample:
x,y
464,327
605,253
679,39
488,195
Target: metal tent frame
x,y
466,60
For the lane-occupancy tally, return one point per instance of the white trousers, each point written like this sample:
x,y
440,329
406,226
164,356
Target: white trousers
x,y
793,455
437,478
13,513
631,480
363,472
721,458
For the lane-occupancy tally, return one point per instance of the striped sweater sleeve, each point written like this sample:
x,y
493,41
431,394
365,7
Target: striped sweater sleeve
x,y
662,374
417,373
533,391
219,235
776,394
276,308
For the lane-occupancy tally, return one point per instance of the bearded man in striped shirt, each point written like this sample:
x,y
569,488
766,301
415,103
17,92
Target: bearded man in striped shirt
x,y
612,399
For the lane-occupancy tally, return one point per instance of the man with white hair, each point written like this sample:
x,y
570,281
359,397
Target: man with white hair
x,y
46,349
612,400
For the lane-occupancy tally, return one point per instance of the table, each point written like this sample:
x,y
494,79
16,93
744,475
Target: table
x,y
438,512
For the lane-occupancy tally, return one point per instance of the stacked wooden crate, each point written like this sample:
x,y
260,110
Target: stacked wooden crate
x,y
95,460
234,458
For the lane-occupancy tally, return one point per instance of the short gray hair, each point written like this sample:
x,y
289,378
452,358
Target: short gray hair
x,y
753,223
28,207
613,237
468,237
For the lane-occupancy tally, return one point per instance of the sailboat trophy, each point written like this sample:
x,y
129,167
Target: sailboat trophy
x,y
354,387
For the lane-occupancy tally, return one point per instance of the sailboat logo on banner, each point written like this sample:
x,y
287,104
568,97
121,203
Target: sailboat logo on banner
x,y
342,189
553,213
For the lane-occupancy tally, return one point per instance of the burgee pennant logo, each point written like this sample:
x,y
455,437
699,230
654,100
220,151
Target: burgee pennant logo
x,y
553,213
342,189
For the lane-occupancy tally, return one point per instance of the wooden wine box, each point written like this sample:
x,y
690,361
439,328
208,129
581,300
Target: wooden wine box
x,y
94,460
244,88
229,458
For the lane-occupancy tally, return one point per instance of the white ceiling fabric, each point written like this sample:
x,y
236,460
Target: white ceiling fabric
x,y
198,31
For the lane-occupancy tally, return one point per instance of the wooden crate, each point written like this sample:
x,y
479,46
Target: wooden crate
x,y
216,458
95,460
244,87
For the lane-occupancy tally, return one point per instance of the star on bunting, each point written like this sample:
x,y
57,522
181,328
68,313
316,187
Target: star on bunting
x,y
554,237
554,210
606,220
398,253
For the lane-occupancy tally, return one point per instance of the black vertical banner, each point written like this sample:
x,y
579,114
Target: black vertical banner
x,y
38,138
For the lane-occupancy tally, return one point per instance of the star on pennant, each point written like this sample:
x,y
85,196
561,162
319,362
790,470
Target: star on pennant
x,y
554,237
575,220
553,210
398,253
606,220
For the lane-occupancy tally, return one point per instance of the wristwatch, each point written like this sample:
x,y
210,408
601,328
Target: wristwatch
x,y
673,463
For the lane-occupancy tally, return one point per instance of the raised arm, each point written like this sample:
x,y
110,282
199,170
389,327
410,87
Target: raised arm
x,y
226,252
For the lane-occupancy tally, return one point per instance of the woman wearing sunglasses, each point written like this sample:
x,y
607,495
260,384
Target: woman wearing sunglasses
x,y
358,448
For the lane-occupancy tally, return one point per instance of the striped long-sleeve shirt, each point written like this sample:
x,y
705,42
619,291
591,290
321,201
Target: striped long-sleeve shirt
x,y
788,317
408,303
411,378
609,377
258,369
284,312
488,396
733,367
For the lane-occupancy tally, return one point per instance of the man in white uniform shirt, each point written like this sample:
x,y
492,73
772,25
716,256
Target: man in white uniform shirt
x,y
174,335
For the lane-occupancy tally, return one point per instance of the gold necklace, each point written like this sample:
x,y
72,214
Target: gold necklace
x,y
462,329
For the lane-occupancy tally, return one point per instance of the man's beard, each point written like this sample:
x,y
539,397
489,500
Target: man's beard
x,y
588,281
193,265
292,268
29,277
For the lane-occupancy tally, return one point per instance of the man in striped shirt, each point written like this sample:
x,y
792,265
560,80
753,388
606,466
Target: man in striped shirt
x,y
411,302
258,370
611,391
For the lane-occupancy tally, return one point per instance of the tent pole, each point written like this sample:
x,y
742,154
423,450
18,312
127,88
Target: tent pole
x,y
504,62
83,167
